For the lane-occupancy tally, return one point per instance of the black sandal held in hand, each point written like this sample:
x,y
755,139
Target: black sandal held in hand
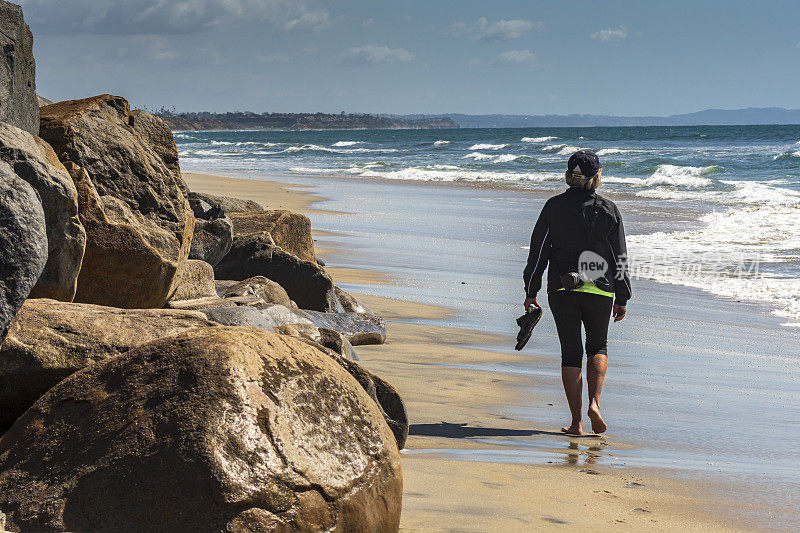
x,y
526,324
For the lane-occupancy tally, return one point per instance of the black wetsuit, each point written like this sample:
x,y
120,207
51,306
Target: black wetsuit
x,y
569,224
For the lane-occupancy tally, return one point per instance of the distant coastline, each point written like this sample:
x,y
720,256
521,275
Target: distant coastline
x,y
299,121
197,121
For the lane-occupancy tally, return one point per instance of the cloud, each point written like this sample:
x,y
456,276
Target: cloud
x,y
499,30
367,23
374,54
153,17
516,58
610,35
797,46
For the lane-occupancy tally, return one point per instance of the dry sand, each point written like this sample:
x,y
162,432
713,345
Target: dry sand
x,y
450,407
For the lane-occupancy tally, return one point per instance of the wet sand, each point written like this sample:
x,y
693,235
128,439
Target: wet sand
x,y
460,414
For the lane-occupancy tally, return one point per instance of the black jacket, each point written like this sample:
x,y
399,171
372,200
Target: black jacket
x,y
562,233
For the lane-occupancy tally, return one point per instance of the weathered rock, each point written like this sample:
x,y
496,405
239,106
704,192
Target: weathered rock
x,y
291,231
212,240
358,328
23,243
240,315
216,429
349,303
264,288
34,161
382,392
131,199
50,340
227,204
198,304
197,281
42,101
18,104
304,281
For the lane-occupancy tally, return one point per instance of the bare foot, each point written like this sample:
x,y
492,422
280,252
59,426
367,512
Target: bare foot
x,y
598,425
574,429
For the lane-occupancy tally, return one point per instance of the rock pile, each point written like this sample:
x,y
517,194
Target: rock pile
x,y
170,360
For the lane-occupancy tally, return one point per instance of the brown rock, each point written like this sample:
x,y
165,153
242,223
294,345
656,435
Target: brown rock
x,y
34,161
197,281
305,282
291,231
50,340
264,288
131,199
216,429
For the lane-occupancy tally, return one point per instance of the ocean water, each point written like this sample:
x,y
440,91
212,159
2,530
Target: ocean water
x,y
715,208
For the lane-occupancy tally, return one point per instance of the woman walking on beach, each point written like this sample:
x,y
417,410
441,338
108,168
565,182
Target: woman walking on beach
x,y
580,235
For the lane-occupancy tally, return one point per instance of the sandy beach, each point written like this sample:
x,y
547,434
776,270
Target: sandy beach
x,y
458,413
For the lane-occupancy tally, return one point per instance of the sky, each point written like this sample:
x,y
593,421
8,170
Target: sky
x,y
406,56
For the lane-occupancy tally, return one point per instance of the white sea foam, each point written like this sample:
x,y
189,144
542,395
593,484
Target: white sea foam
x,y
494,158
347,143
488,146
722,256
537,139
613,151
561,149
318,148
787,154
441,143
677,176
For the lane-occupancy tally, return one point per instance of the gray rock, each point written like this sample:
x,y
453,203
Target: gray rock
x,y
241,315
50,340
34,161
23,244
279,315
332,340
214,429
226,204
358,328
212,240
131,196
18,103
43,101
256,255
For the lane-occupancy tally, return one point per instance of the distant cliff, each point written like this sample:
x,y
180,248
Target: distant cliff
x,y
299,121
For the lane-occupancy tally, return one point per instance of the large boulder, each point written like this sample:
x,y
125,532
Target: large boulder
x,y
197,281
227,204
215,429
50,340
34,161
291,231
131,198
23,243
305,282
18,103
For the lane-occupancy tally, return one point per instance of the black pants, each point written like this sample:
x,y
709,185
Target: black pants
x,y
569,309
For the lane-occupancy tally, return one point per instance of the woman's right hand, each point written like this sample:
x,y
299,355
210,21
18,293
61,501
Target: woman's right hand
x,y
619,312
531,302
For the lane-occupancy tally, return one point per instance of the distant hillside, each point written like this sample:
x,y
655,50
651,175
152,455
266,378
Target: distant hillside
x,y
709,117
299,121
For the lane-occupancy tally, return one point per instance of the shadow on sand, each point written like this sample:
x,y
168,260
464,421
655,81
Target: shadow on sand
x,y
463,431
